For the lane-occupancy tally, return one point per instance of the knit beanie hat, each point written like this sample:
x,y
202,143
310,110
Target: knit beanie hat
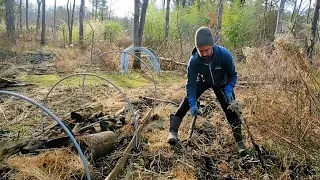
x,y
203,37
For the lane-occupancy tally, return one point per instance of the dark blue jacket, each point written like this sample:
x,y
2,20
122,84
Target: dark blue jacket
x,y
219,71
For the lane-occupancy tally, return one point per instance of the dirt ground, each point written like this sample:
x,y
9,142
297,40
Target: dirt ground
x,y
210,154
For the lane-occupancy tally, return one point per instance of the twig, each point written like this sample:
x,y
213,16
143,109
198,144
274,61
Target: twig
x,y
18,136
4,115
161,100
7,174
255,145
125,156
315,102
297,146
236,108
120,111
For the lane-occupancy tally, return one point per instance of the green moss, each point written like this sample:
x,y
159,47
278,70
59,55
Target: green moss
x,y
132,80
41,80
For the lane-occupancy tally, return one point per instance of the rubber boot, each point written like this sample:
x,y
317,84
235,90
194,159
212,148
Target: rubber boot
x,y
242,150
173,130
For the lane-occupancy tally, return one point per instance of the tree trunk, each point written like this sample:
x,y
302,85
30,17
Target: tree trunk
x,y
218,26
265,20
92,9
10,20
183,3
294,10
166,31
38,17
43,30
294,19
109,14
96,9
81,17
102,17
68,15
20,15
314,26
308,17
309,10
177,3
280,17
71,22
103,7
27,13
136,62
55,19
142,20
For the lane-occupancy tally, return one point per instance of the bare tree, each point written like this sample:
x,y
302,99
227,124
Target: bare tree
x,y
166,31
142,20
295,15
10,20
109,14
70,19
96,9
136,62
183,3
81,17
20,15
310,50
218,26
43,29
139,21
176,3
265,19
280,17
55,20
103,6
92,9
38,16
27,13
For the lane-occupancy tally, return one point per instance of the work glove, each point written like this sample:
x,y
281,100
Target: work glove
x,y
228,92
193,107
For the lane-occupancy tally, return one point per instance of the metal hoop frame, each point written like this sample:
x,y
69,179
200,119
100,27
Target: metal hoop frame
x,y
47,111
100,77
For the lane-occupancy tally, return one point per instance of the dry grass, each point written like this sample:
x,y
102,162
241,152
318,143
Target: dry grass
x,y
182,172
285,105
56,164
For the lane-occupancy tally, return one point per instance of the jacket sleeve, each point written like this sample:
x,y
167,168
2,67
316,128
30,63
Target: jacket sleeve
x,y
230,68
191,86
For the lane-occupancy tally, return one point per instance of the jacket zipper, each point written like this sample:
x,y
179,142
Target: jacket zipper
x,y
209,65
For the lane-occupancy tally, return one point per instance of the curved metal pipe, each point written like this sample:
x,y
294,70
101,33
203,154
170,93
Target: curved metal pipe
x,y
132,54
90,74
83,158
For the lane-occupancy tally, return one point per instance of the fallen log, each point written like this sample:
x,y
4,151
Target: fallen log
x,y
169,60
104,125
5,83
9,148
99,144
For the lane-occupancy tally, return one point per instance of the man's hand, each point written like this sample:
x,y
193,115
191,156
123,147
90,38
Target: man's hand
x,y
193,107
195,111
228,92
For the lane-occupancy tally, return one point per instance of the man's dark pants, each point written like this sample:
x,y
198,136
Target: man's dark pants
x,y
232,117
